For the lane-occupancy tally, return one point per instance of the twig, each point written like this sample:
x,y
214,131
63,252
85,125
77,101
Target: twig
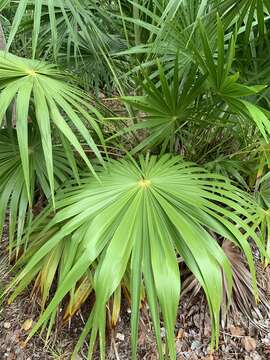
x,y
115,349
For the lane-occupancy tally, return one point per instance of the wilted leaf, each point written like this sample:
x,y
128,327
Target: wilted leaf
x,y
237,331
249,343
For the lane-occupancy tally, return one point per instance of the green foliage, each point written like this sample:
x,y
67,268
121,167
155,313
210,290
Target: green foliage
x,y
13,190
190,84
168,108
140,218
31,80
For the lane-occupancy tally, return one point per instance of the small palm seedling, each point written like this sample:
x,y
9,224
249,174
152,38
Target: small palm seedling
x,y
139,219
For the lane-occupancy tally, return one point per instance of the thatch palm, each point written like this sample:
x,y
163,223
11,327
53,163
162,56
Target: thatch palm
x,y
138,220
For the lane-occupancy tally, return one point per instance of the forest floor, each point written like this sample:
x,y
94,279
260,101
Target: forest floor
x,y
240,338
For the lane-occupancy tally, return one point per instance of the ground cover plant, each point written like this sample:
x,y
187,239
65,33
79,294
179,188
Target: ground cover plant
x,y
134,149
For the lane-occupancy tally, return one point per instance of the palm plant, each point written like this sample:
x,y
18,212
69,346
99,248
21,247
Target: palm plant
x,y
182,93
143,216
206,94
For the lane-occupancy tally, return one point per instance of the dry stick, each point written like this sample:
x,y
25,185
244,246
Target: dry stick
x,y
115,349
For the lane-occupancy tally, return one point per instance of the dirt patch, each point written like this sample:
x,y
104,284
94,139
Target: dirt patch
x,y
240,339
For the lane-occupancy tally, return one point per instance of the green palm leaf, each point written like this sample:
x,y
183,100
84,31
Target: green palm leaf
x,y
13,191
168,106
53,18
262,197
70,30
59,107
224,85
247,14
139,219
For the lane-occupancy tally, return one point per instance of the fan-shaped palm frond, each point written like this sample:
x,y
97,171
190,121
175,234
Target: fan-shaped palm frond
x,y
13,192
124,228
58,107
226,86
61,26
168,107
247,14
58,19
139,220
206,95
